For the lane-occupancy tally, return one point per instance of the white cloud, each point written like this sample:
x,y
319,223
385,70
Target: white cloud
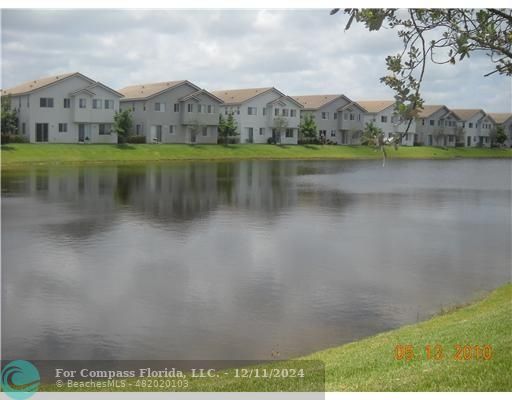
x,y
299,52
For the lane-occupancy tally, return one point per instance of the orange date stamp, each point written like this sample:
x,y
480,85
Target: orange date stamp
x,y
438,352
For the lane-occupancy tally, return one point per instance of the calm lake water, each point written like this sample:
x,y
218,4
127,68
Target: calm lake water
x,y
237,260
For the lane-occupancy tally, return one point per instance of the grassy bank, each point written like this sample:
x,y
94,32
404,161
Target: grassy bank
x,y
18,154
371,365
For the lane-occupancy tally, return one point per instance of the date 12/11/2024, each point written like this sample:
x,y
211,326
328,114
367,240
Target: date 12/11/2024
x,y
438,352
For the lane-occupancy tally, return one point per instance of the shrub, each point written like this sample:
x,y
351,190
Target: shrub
x,y
271,140
136,139
10,138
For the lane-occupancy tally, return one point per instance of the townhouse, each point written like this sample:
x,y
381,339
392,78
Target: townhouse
x,y
436,125
65,108
504,120
262,114
383,115
476,127
337,118
172,112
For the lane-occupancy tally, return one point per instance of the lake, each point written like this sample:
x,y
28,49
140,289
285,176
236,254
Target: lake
x,y
242,260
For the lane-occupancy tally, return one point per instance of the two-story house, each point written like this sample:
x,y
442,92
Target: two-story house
x,y
476,127
172,112
66,108
503,120
262,113
382,114
337,118
436,125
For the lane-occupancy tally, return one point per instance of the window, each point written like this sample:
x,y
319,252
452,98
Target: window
x,y
23,128
384,118
285,112
352,117
109,104
293,113
176,107
200,108
471,125
105,129
463,124
439,123
262,131
63,127
205,131
160,107
96,103
264,109
210,109
171,129
289,132
422,122
322,132
276,112
238,110
333,133
82,103
251,110
335,116
67,103
359,117
325,115
190,107
432,122
46,102
138,129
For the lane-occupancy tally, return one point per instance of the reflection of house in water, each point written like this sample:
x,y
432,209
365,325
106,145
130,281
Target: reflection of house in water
x,y
164,193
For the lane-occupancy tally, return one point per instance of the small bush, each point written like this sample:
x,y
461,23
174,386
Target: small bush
x,y
136,139
10,138
229,140
271,140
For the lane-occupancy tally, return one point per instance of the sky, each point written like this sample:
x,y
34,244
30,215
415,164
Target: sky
x,y
299,52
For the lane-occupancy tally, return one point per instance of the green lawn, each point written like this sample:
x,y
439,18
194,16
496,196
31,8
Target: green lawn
x,y
17,154
370,364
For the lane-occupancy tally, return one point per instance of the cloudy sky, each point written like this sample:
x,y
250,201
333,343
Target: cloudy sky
x,y
299,52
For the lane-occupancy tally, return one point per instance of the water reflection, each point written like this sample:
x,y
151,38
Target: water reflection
x,y
237,260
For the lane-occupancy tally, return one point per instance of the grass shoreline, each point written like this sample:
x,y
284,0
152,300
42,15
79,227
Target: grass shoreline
x,y
370,364
17,155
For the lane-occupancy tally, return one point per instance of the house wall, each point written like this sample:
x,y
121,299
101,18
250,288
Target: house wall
x,y
478,136
182,122
387,121
30,112
424,128
245,121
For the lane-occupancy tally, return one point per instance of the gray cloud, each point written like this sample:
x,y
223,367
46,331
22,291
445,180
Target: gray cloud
x,y
299,52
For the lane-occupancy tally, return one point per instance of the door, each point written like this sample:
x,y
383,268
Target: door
x,y
41,133
469,141
192,135
81,132
251,135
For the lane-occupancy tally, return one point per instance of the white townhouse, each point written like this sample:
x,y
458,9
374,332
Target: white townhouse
x,y
262,113
172,112
66,108
504,120
476,127
337,118
383,115
436,125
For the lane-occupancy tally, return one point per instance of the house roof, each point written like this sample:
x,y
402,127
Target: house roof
x,y
30,86
465,113
351,104
238,96
375,106
147,90
314,102
427,110
500,118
